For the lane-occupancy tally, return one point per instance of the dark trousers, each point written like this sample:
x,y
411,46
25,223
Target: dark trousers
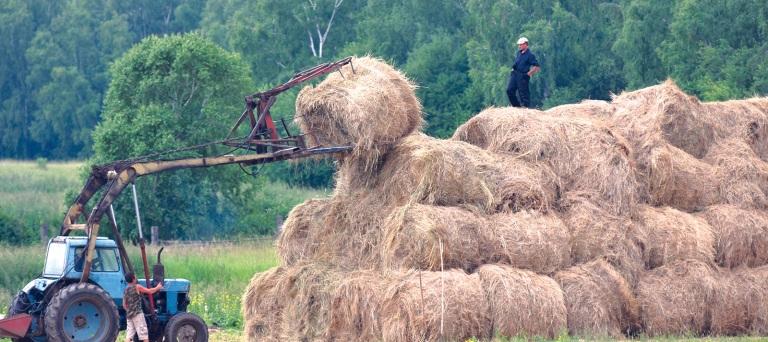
x,y
518,82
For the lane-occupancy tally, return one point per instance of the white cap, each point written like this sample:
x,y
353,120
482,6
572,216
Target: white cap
x,y
522,40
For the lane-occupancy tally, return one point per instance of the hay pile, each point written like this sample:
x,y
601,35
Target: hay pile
x,y
642,215
696,298
741,236
368,104
599,301
523,303
665,235
584,153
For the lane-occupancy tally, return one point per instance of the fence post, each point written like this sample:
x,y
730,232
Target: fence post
x,y
155,235
44,233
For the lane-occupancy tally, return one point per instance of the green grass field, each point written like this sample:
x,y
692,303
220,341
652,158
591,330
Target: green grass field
x,y
34,193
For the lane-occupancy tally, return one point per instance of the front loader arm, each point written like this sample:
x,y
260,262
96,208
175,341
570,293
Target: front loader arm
x,y
119,175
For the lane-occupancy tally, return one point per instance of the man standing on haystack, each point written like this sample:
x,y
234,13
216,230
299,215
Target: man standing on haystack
x,y
525,66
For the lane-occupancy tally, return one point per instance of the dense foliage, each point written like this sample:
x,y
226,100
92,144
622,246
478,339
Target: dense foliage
x,y
54,56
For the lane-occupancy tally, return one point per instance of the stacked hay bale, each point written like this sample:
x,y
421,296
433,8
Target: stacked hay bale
x,y
643,215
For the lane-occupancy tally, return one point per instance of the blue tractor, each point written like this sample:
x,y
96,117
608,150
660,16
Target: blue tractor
x,y
59,307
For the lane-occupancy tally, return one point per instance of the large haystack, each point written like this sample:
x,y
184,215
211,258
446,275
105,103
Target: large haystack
x,y
523,303
369,104
435,306
746,120
741,236
743,177
432,237
666,235
647,193
599,301
426,170
676,299
663,113
584,153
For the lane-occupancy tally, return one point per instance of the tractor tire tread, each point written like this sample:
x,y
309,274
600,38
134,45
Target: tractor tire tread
x,y
56,303
181,318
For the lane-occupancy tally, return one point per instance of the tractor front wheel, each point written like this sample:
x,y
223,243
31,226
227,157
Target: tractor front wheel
x,y
186,327
81,312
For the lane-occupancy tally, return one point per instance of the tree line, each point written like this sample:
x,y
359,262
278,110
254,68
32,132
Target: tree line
x,y
55,54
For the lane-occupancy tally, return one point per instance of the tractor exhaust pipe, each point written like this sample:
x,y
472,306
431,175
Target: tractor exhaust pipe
x,y
158,270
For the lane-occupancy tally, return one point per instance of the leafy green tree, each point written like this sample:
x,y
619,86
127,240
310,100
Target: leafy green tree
x,y
441,80
714,47
167,93
67,85
645,26
18,21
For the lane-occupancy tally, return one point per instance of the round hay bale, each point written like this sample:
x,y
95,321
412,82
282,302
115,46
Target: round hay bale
x,y
528,239
485,129
343,230
676,299
666,235
746,120
262,306
679,180
297,239
756,278
415,232
599,301
418,306
523,303
584,153
368,103
741,236
663,113
352,234
355,307
306,293
426,170
743,177
739,304
596,233
587,108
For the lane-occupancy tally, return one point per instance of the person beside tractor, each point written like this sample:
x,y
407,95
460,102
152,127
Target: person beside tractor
x,y
524,67
134,315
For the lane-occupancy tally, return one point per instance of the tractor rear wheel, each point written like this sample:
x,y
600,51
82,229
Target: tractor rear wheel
x,y
81,312
186,327
18,303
